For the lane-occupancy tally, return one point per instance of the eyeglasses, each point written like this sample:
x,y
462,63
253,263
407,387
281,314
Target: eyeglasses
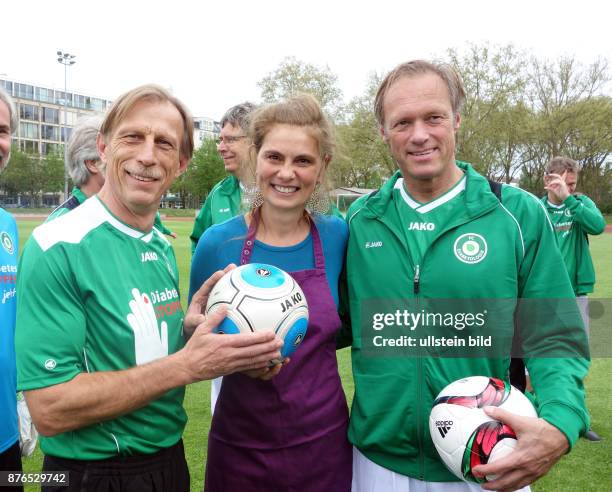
x,y
229,140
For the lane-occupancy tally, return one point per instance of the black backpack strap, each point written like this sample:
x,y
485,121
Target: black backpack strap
x,y
496,189
516,371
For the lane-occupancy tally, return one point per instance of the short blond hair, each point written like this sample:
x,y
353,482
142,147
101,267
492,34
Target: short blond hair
x,y
149,92
447,73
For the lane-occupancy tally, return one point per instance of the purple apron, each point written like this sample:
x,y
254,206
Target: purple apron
x,y
289,433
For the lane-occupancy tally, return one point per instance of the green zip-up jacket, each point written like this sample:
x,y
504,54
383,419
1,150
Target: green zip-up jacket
x,y
517,257
221,204
573,220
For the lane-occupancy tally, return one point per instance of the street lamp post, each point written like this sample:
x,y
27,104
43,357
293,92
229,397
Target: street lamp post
x,y
67,60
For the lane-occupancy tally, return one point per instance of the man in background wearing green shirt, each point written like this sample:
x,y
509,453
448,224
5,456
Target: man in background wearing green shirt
x,y
574,217
100,347
223,201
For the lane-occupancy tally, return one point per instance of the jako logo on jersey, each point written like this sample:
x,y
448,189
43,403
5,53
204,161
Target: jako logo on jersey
x,y
373,244
223,210
444,426
148,256
470,248
7,242
421,226
50,364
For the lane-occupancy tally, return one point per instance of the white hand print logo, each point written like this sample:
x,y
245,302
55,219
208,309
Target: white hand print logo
x,y
150,343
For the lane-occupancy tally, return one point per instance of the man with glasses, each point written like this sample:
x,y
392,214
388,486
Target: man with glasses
x,y
223,201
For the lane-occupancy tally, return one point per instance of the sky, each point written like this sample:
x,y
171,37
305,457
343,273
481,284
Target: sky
x,y
212,54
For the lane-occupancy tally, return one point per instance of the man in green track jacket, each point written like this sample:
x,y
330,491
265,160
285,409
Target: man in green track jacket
x,y
223,201
436,232
574,216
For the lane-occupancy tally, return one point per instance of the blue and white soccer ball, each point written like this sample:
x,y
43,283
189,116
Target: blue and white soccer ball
x,y
261,297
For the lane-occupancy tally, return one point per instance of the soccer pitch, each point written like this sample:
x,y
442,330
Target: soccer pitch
x,y
586,468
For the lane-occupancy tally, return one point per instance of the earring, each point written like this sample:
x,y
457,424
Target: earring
x,y
319,201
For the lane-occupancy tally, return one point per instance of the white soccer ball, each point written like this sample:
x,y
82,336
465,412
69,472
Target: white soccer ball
x,y
463,434
261,297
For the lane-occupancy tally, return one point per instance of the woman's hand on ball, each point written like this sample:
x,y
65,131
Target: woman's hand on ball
x,y
267,373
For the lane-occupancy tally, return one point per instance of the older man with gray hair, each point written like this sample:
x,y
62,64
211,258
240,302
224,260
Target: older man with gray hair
x,y
10,456
83,164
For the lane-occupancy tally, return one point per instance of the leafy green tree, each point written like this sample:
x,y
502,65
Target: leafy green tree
x,y
204,171
31,175
52,173
293,76
573,117
363,159
494,115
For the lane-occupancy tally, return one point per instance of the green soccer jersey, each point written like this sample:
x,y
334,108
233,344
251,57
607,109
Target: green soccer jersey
x,y
98,295
423,222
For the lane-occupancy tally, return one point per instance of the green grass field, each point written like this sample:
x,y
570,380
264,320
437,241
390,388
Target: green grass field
x,y
587,468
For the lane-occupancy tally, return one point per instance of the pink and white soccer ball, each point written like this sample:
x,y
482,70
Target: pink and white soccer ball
x,y
463,434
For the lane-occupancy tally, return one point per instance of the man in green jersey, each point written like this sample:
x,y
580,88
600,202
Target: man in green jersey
x,y
223,201
86,169
100,349
436,234
574,216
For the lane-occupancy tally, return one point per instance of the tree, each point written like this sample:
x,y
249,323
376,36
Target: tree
x,y
573,117
494,115
52,173
204,171
294,76
31,175
363,159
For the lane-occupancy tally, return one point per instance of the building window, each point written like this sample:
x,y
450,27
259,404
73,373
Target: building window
x,y
63,98
49,148
28,112
83,102
28,130
98,105
68,118
44,95
29,146
7,85
24,91
50,115
66,132
49,132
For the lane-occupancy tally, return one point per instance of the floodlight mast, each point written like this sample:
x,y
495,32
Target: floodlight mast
x,y
67,60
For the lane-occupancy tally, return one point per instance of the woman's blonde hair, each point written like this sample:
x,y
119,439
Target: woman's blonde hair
x,y
301,110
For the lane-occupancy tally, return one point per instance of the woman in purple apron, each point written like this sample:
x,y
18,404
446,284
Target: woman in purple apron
x,y
289,432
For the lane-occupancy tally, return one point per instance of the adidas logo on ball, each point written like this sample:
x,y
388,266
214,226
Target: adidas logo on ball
x,y
444,426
